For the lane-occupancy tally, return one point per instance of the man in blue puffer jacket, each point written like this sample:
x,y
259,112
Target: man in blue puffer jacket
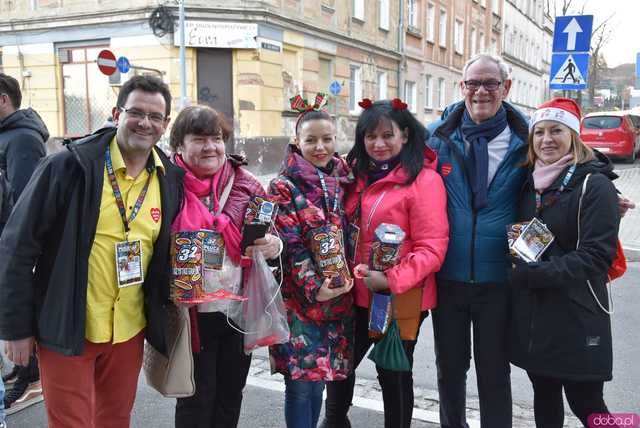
x,y
481,144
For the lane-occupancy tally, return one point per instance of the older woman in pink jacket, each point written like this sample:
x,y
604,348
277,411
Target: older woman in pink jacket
x,y
396,183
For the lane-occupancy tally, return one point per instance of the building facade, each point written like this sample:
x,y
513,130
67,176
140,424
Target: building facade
x,y
246,58
528,35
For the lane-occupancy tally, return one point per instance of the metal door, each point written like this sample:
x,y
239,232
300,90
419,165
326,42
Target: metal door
x,y
215,81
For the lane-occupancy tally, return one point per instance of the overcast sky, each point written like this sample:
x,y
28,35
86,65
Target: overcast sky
x,y
625,40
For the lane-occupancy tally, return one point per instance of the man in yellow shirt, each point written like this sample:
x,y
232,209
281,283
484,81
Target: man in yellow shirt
x,y
94,222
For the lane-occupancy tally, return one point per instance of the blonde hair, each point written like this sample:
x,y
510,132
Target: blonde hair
x,y
580,151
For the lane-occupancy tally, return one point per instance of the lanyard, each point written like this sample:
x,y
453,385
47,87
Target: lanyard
x,y
552,199
118,195
326,194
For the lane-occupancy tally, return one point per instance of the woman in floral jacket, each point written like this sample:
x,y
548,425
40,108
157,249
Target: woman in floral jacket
x,y
309,195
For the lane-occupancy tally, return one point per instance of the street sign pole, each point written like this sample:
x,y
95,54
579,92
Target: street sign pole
x,y
183,62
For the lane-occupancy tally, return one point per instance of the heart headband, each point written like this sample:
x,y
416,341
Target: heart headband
x,y
396,104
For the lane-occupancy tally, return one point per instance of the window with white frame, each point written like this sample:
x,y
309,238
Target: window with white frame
x,y
458,36
355,88
428,91
482,46
382,85
358,9
442,95
472,42
413,13
431,22
410,95
455,92
494,46
443,28
483,3
384,14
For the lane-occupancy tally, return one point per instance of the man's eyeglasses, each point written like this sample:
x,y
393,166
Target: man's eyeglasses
x,y
134,113
489,85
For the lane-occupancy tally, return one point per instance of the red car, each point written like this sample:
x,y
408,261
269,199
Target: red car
x,y
614,133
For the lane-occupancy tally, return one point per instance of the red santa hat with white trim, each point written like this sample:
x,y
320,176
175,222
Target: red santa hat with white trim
x,y
563,110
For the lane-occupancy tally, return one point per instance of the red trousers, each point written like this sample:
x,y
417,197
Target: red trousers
x,y
93,390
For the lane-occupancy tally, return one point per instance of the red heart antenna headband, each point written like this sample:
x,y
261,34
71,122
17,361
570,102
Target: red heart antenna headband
x,y
365,103
396,104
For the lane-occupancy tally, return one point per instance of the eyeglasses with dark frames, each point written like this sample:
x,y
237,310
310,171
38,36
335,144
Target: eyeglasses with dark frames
x,y
136,114
489,84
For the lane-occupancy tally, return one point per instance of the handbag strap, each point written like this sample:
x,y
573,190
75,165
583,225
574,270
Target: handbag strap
x,y
226,192
609,296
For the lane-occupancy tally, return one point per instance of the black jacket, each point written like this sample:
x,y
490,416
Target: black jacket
x,y
22,138
52,227
557,328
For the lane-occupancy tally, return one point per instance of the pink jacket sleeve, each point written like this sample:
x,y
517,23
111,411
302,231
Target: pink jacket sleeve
x,y
429,230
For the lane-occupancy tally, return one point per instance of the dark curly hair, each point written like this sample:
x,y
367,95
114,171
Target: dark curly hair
x,y
412,153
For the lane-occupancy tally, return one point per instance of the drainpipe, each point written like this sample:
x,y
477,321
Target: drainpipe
x,y
401,51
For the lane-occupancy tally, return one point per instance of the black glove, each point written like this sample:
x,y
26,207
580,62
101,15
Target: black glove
x,y
518,271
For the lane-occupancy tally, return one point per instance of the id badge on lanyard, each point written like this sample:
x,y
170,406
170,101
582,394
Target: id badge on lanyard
x,y
129,263
353,234
128,254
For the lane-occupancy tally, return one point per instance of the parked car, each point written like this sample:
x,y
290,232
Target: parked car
x,y
614,133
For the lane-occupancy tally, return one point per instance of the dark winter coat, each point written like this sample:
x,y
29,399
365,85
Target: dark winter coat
x,y
22,138
477,241
557,328
52,227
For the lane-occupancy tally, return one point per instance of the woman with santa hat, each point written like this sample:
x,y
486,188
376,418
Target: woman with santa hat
x,y
561,327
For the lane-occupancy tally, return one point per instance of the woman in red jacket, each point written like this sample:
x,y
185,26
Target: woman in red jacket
x,y
396,183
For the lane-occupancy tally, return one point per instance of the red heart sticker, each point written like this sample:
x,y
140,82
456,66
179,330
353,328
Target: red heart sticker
x,y
155,214
446,169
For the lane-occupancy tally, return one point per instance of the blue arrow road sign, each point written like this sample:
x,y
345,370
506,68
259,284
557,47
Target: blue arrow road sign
x,y
335,87
123,64
572,33
569,71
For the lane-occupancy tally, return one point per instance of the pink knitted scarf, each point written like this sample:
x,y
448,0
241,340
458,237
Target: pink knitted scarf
x,y
544,175
195,215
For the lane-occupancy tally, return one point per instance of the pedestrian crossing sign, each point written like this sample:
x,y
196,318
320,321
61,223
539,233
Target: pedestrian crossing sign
x,y
569,71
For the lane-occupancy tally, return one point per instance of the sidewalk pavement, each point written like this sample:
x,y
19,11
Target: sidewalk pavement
x,y
629,185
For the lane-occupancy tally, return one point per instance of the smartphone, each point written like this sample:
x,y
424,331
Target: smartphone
x,y
251,233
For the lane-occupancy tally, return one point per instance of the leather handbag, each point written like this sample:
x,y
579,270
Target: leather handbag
x,y
172,375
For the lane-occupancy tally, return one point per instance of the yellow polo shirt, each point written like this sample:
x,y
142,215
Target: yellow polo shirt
x,y
117,314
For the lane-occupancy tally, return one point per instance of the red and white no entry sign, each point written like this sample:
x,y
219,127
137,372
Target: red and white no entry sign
x,y
107,62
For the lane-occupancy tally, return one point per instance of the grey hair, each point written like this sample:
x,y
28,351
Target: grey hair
x,y
505,69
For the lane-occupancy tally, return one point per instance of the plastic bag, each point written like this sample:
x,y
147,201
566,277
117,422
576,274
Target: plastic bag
x,y
264,314
389,353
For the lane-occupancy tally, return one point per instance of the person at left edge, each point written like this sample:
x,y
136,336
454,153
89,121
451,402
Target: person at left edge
x,y
22,144
60,283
